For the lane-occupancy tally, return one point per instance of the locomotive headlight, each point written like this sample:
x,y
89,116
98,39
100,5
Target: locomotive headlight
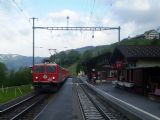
x,y
36,77
53,78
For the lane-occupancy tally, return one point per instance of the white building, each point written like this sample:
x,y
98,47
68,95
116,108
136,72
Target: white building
x,y
151,34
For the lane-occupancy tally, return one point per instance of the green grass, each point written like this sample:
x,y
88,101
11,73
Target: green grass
x,y
72,69
111,47
11,93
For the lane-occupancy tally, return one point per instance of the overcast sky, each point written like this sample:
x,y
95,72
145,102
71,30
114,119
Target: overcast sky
x,y
134,16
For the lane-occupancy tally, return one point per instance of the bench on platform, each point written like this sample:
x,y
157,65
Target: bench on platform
x,y
157,92
155,95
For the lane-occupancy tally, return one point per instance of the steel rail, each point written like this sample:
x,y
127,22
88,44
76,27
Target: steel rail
x,y
14,112
94,103
102,112
27,109
81,107
94,111
15,105
110,110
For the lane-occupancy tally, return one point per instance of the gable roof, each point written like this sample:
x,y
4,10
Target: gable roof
x,y
135,52
140,51
148,32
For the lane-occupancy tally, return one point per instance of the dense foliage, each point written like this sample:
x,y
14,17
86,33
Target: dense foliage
x,y
74,59
69,59
12,78
66,59
3,71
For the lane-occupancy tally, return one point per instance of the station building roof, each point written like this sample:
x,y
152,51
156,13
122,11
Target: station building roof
x,y
133,52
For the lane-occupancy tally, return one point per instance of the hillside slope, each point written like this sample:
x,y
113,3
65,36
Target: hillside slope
x,y
14,61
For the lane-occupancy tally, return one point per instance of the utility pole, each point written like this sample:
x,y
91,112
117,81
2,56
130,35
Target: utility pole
x,y
119,28
33,20
93,29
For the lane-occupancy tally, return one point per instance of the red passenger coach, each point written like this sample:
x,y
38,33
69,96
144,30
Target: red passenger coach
x,y
48,75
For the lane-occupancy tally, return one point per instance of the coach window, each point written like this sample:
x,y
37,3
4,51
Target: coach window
x,y
50,69
39,69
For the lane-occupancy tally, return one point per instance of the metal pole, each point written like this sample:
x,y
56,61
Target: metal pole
x,y
54,58
33,40
119,35
67,21
33,19
83,29
55,55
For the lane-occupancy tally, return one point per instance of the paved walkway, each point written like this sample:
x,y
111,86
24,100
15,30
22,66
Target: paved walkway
x,y
64,105
140,105
144,104
61,106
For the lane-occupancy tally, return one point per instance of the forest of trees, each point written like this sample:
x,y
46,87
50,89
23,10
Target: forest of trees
x,y
68,58
24,75
14,78
65,59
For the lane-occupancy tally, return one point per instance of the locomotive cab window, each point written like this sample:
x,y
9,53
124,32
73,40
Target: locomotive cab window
x,y
39,69
50,68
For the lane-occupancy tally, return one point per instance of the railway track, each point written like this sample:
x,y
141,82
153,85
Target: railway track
x,y
18,110
93,108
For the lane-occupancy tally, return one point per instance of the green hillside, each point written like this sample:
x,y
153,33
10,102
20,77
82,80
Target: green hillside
x,y
72,69
111,47
140,42
73,59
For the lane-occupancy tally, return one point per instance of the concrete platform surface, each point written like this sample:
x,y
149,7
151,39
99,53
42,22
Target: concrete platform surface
x,y
61,106
140,103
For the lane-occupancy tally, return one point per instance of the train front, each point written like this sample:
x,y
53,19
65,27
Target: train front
x,y
45,76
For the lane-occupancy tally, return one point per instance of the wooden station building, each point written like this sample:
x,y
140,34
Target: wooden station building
x,y
135,68
99,67
138,67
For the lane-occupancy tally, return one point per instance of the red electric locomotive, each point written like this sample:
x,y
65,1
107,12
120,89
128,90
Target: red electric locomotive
x,y
48,76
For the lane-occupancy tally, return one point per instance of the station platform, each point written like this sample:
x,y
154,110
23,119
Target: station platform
x,y
63,106
142,105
